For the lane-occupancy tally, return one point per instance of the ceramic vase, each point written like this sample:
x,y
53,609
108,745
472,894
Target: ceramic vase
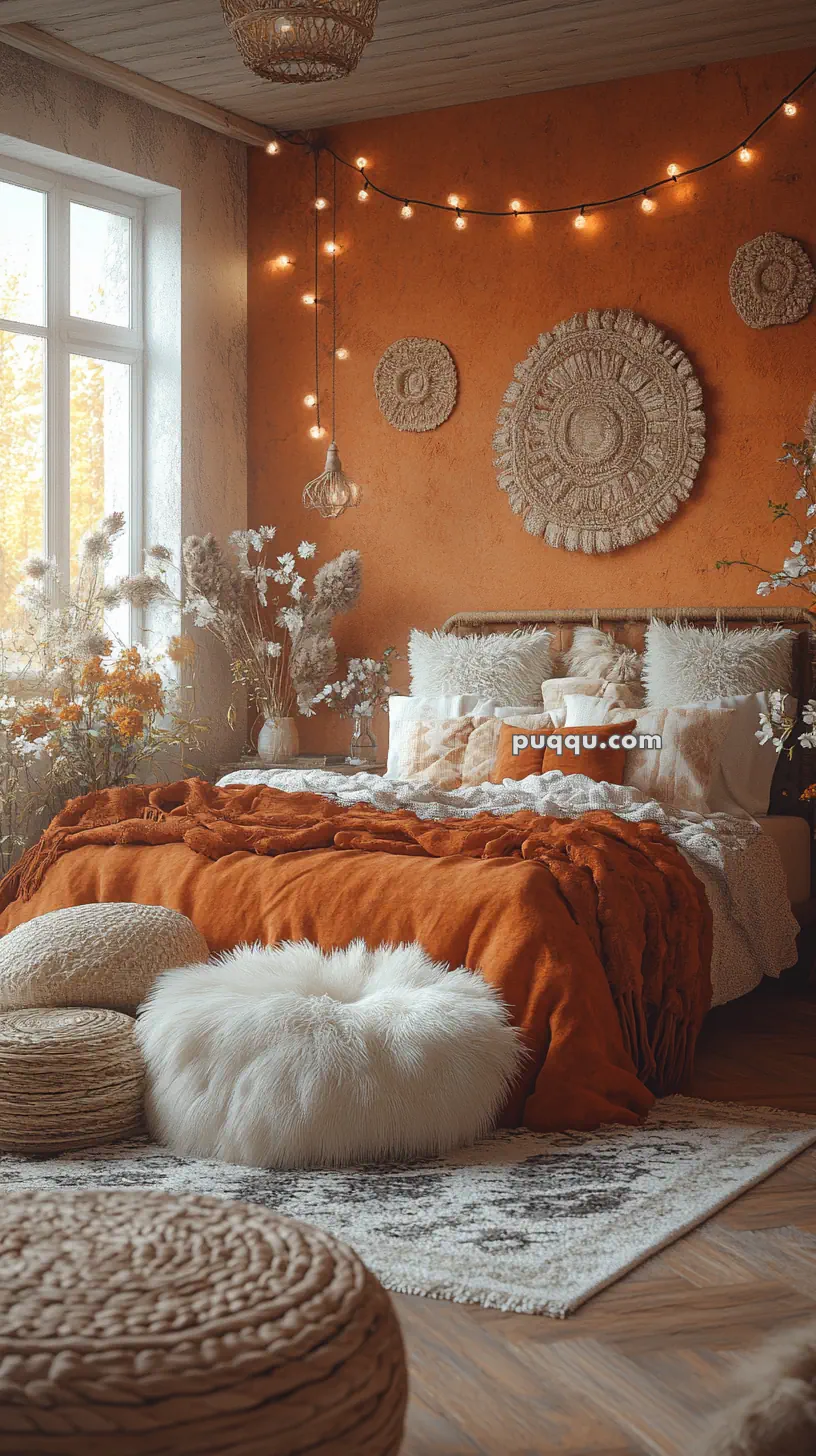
x,y
278,740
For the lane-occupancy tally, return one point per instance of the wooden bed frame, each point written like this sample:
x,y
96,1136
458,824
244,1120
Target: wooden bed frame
x,y
628,624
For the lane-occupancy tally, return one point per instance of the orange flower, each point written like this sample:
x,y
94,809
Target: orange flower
x,y
93,673
181,649
34,724
71,713
128,723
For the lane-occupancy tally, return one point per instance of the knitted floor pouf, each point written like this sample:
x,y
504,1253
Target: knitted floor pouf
x,y
69,1078
143,1324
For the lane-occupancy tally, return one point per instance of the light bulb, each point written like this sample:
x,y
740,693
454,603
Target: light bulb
x,y
321,204
272,148
331,248
647,204
317,432
342,353
309,300
745,154
672,170
284,261
461,222
407,211
363,195
454,200
790,108
515,205
579,221
362,163
310,401
283,26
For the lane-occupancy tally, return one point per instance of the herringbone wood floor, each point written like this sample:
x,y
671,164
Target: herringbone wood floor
x,y
639,1367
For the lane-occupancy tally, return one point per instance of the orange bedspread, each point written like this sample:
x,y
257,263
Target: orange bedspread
x,y
595,931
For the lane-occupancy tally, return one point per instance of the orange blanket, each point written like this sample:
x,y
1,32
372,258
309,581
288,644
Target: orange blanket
x,y
595,931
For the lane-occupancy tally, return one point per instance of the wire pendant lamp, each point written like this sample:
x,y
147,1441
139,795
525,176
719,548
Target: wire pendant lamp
x,y
301,40
332,492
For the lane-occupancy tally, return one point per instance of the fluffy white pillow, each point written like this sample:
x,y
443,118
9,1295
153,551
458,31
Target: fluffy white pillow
x,y
596,654
509,668
700,664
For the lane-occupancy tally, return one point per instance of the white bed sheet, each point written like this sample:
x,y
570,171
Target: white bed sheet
x,y
739,865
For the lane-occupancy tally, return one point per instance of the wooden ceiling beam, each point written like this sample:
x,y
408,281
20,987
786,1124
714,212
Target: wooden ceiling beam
x,y
44,11
57,52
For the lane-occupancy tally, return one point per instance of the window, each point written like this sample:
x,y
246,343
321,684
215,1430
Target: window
x,y
71,369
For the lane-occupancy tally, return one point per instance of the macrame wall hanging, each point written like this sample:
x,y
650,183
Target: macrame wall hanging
x,y
602,432
772,281
416,384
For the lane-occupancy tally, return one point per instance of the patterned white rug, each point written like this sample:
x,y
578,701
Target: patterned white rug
x,y
524,1222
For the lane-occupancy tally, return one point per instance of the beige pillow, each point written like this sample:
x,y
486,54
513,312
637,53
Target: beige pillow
x,y
623,694
685,771
434,752
95,955
483,743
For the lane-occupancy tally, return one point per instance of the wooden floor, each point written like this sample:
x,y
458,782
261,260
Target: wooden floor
x,y
638,1368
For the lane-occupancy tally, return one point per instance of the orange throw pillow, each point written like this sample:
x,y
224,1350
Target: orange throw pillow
x,y
604,765
510,765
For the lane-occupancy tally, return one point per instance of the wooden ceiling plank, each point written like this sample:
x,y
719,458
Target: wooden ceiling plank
x,y
47,47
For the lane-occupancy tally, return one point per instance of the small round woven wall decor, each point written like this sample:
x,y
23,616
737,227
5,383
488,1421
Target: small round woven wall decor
x,y
772,281
416,384
601,433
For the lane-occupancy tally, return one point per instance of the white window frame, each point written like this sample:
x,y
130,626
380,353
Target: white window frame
x,y
65,335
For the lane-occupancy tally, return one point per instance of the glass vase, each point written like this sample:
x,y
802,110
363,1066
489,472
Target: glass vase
x,y
363,747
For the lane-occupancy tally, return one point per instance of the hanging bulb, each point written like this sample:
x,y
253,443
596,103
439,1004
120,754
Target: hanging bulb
x,y
579,221
647,204
745,155
515,205
272,149
406,211
284,261
362,163
461,222
332,492
331,249
342,354
673,170
309,300
317,432
321,204
790,108
363,195
310,401
454,200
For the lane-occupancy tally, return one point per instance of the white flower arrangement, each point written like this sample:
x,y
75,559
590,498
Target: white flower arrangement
x,y
365,688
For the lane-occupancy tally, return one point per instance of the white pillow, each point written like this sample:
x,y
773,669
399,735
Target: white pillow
x,y
402,712
686,771
624,694
508,668
596,654
701,664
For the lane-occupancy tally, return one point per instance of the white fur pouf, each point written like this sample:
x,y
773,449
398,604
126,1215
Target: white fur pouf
x,y
289,1057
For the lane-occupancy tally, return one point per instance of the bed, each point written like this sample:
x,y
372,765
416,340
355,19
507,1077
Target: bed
x,y
608,922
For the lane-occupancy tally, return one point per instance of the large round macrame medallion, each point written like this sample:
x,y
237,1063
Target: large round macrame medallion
x,y
602,432
416,384
772,281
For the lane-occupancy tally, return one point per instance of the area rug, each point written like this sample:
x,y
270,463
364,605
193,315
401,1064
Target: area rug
x,y
522,1221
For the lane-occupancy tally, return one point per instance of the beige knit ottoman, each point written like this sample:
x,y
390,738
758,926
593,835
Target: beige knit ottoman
x,y
143,1324
69,1078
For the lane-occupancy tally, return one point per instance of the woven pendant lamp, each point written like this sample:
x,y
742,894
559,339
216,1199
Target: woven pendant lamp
x,y
301,40
332,492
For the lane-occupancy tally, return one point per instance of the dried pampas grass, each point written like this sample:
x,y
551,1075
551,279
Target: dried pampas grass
x,y
776,1414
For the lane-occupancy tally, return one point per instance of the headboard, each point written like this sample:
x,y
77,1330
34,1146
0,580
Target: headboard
x,y
628,624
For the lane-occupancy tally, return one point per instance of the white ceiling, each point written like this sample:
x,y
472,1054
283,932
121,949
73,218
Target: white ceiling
x,y
426,53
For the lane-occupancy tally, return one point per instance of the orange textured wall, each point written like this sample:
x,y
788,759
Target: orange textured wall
x,y
436,533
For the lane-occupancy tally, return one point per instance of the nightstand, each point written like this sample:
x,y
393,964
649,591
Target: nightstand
x,y
332,763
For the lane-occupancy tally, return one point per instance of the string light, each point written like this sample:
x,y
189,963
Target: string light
x,y
310,401
284,261
515,205
647,204
309,300
272,149
745,155
362,163
579,221
342,353
790,108
317,432
461,222
673,171
363,195
454,200
406,211
331,248
321,204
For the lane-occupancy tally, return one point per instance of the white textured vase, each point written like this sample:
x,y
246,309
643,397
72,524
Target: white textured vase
x,y
278,740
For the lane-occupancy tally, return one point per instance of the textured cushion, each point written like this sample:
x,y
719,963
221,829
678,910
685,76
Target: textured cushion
x,y
509,668
697,664
596,654
605,765
402,712
434,752
480,761
622,694
288,1057
138,1324
94,955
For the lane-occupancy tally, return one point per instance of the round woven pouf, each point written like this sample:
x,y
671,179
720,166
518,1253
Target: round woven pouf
x,y
142,1324
69,1078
